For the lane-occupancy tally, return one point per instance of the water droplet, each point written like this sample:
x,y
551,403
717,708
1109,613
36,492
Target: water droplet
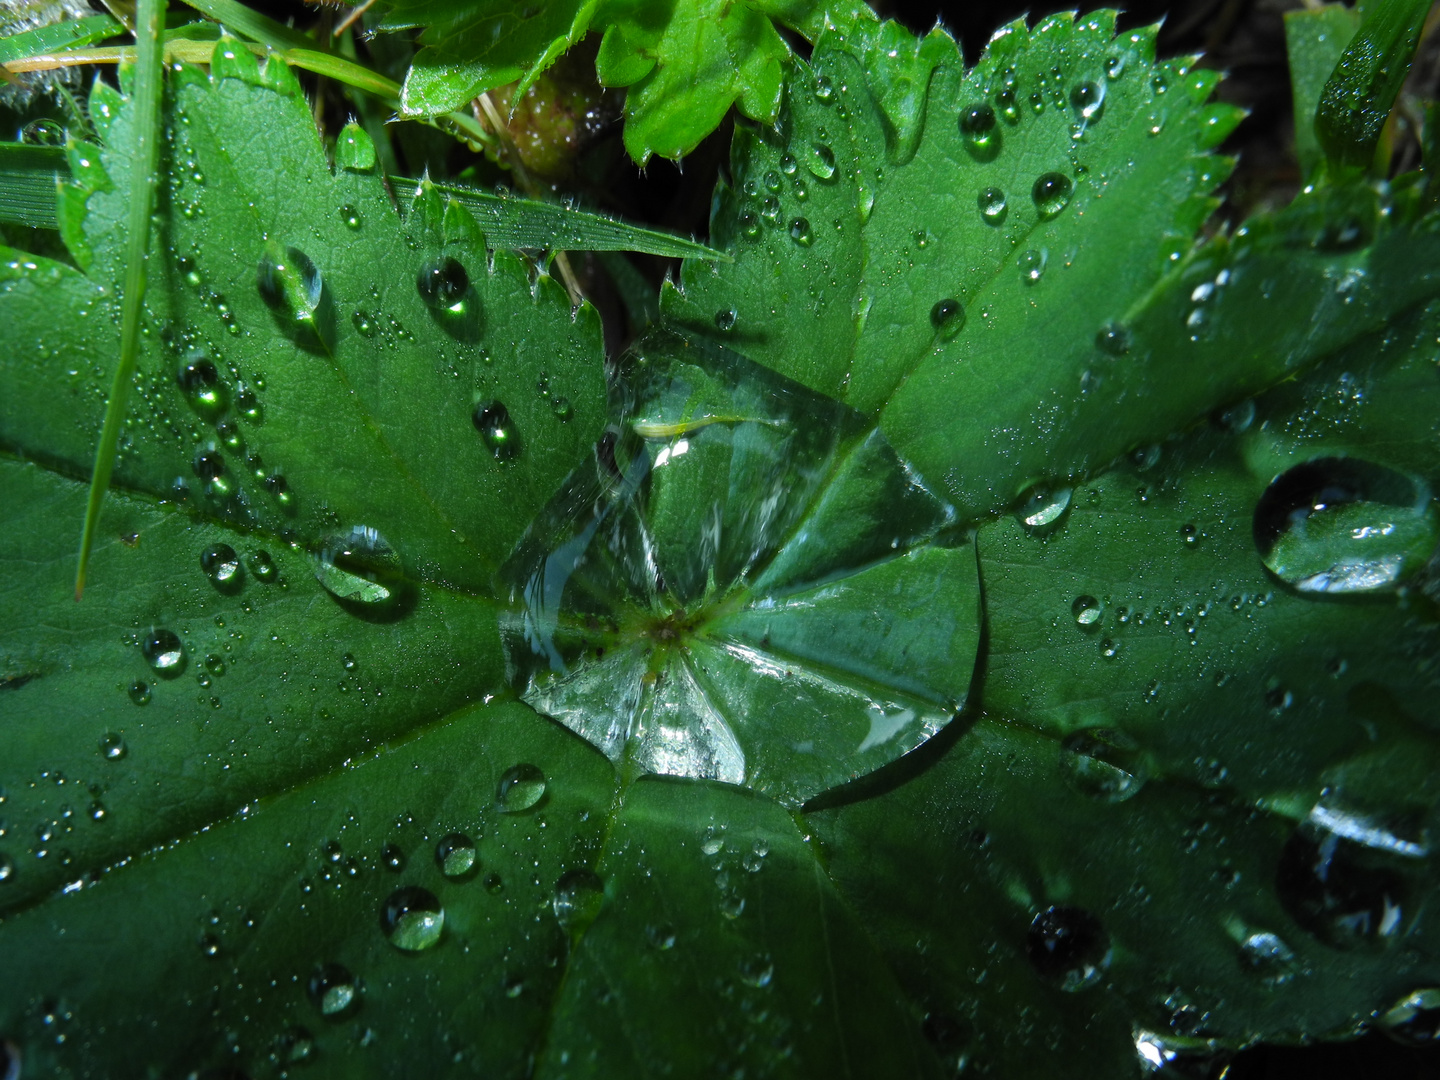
x,y
1265,954
991,203
262,565
1339,876
1088,98
788,165
770,210
1414,1020
392,858
140,693
1338,526
350,216
1094,762
360,567
661,936
1043,509
577,899
200,382
333,990
412,918
364,324
725,320
455,855
521,787
7,873
1087,611
1051,194
443,285
210,946
1068,945
496,429
163,652
772,181
947,317
820,161
290,284
980,131
824,89
222,566
112,747
1109,649
749,224
1032,266
561,408
757,971
1113,338
42,133
1037,103
215,664
800,232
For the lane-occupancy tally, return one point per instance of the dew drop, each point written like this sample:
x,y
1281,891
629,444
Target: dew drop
x,y
455,855
980,131
262,565
947,317
561,408
1051,194
360,567
820,161
824,89
290,283
392,858
520,788
1109,649
412,918
1269,957
772,181
140,693
991,203
350,216
112,747
788,165
364,324
443,285
163,652
725,320
1087,611
7,873
1043,509
42,133
577,899
801,233
661,936
1088,99
1032,266
222,566
333,990
770,210
497,430
1113,338
1069,946
1414,1020
200,382
1095,761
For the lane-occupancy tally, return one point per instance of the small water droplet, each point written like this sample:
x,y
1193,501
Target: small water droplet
x,y
820,161
772,181
1032,266
333,990
980,131
1068,945
350,216
992,206
392,858
443,286
520,788
140,693
43,133
1113,338
1109,649
262,565
770,210
788,165
222,566
824,89
661,936
801,233
455,855
364,324
112,747
947,317
497,430
725,320
290,284
412,918
163,652
360,567
577,900
1051,194
7,873
757,971
561,408
201,384
1269,957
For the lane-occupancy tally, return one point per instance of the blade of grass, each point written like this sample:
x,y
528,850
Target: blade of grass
x,y
239,19
28,175
62,35
148,72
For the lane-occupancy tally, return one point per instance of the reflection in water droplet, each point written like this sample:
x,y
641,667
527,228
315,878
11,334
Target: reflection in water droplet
x,y
1337,526
520,788
200,382
1088,98
820,161
497,430
412,919
1044,508
112,747
360,567
1090,761
140,692
163,652
1414,1020
947,317
333,990
992,206
577,899
42,133
443,285
1087,611
221,566
1068,945
290,283
1051,194
455,855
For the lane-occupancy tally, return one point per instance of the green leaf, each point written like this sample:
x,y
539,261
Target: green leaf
x,y
1315,38
28,177
70,34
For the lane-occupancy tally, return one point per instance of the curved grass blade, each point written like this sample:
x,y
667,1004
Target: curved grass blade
x,y
72,33
148,17
512,222
28,175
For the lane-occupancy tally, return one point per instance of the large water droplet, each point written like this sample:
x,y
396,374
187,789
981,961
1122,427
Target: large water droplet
x,y
577,900
1043,509
361,568
1338,526
521,787
820,161
112,747
455,855
291,286
1068,945
333,990
222,566
947,317
980,131
443,285
1087,611
1051,194
1088,98
412,918
200,382
43,133
497,430
1093,762
1414,1020
163,652
991,203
